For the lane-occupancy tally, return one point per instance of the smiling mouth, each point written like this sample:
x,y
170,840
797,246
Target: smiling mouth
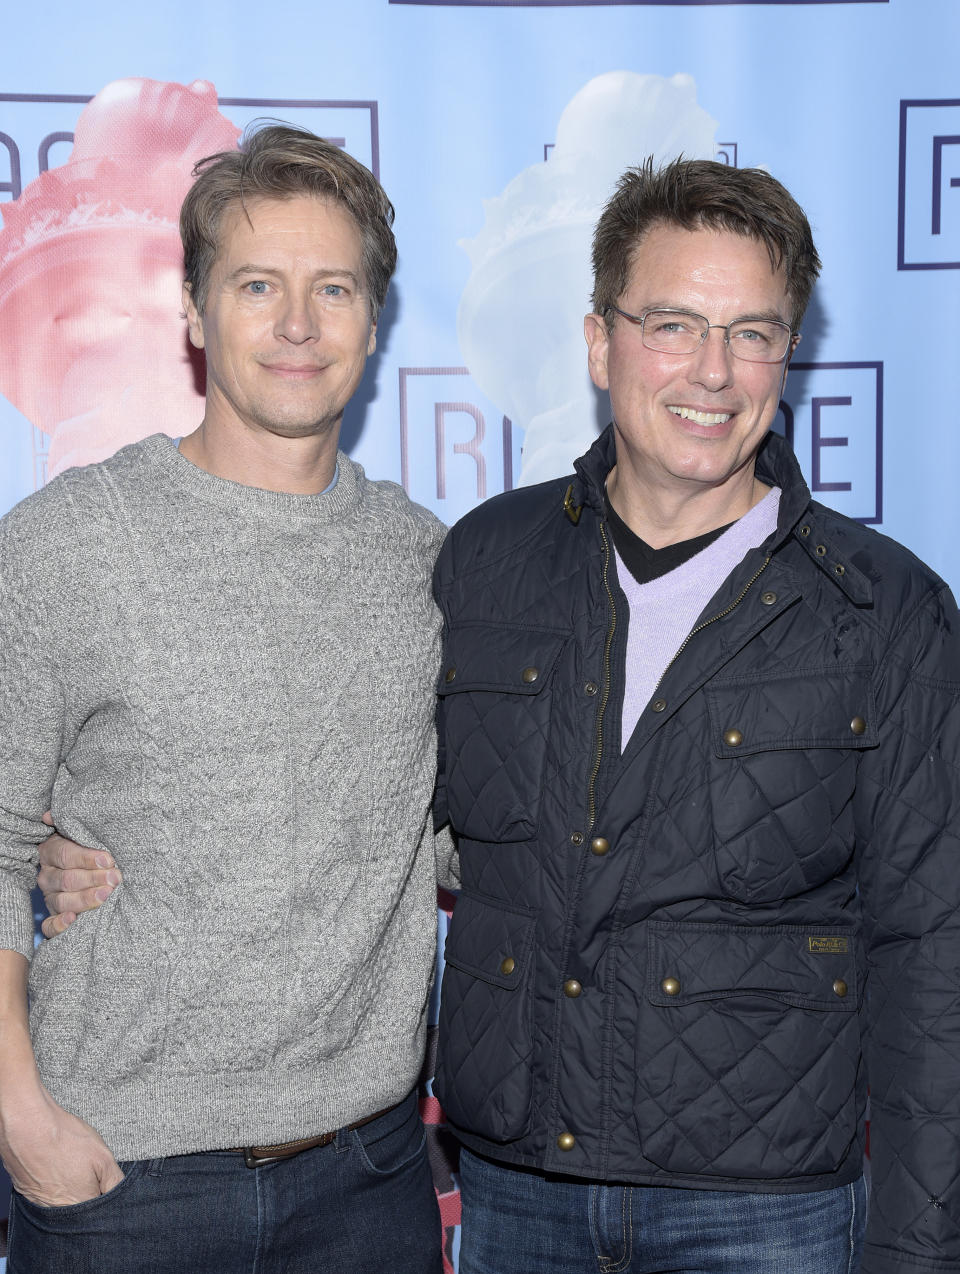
x,y
701,417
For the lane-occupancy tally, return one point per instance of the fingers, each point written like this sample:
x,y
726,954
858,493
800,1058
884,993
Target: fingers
x,y
59,902
73,879
95,886
56,924
57,851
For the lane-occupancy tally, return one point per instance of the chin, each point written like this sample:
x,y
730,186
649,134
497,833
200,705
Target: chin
x,y
309,428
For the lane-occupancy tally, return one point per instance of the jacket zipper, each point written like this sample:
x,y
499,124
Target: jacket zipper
x,y
707,622
605,691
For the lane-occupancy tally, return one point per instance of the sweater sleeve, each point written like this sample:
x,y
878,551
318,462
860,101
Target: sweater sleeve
x,y
31,722
908,836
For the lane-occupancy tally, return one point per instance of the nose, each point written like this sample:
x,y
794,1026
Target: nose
x,y
298,319
713,362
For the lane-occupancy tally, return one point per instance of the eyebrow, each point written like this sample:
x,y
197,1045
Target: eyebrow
x,y
773,315
258,271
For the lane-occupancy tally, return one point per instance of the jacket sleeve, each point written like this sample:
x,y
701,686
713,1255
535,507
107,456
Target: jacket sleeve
x,y
31,723
908,842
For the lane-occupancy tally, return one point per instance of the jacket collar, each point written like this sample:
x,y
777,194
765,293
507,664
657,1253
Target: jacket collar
x,y
777,466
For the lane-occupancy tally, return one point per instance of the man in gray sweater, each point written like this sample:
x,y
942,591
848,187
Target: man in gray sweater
x,y
195,648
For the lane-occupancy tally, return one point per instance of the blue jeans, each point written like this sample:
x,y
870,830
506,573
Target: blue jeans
x,y
363,1203
520,1222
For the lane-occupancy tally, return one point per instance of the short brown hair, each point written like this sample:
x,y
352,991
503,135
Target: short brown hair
x,y
695,193
279,161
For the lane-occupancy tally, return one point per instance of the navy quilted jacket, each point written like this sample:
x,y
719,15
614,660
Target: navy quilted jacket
x,y
683,965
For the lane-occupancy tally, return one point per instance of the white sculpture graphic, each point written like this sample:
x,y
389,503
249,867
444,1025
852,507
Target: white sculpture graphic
x,y
520,320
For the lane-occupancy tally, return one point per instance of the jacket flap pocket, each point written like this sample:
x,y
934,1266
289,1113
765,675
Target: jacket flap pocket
x,y
810,708
812,968
491,940
492,657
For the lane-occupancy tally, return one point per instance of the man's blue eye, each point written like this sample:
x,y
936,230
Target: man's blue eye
x,y
257,287
333,289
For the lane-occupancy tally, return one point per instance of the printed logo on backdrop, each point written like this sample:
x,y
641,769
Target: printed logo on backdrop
x,y
93,352
929,196
38,129
456,447
832,416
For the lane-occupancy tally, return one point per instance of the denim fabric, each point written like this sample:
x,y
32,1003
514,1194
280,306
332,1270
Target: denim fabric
x,y
520,1222
363,1203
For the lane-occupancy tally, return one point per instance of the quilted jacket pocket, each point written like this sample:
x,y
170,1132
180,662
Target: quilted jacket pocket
x,y
494,715
484,1073
784,763
748,1051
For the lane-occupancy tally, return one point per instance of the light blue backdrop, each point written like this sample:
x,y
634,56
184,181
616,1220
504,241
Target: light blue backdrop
x,y
498,129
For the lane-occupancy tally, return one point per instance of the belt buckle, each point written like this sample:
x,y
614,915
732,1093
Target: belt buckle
x,y
253,1160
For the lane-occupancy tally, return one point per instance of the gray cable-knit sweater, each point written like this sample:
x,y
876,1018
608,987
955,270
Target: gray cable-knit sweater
x,y
232,691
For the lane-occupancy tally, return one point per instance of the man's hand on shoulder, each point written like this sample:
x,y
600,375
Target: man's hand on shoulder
x,y
73,879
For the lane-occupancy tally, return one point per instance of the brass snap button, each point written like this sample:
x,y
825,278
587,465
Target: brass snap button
x,y
566,1141
572,988
858,725
508,965
840,987
670,986
658,705
599,845
804,531
450,674
732,738
821,550
530,674
590,688
576,838
839,569
768,598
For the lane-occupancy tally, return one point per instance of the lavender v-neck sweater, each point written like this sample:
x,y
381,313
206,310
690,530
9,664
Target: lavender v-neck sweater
x,y
663,611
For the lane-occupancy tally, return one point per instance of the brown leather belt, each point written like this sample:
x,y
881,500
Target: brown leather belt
x,y
259,1156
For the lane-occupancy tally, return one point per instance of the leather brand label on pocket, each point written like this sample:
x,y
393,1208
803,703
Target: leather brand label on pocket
x,y
828,946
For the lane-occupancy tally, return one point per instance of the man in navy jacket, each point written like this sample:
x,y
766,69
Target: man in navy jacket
x,y
699,742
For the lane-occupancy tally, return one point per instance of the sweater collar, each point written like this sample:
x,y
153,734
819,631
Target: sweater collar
x,y
333,505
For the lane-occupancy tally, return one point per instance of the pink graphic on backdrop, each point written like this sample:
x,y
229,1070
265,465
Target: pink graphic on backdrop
x,y
93,350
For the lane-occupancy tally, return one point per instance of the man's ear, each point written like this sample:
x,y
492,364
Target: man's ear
x,y
598,343
194,321
372,341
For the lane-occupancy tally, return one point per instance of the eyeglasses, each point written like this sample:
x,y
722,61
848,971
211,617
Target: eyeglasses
x,y
755,340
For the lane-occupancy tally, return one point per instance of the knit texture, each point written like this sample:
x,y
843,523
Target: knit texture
x,y
664,610
231,690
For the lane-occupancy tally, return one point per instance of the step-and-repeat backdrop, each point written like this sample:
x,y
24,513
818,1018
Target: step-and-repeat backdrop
x,y
498,128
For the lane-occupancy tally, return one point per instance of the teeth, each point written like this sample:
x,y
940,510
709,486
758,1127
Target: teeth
x,y
701,417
